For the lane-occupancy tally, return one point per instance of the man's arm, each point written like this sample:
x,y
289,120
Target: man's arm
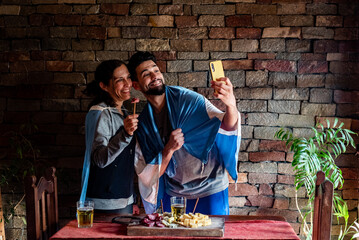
x,y
224,92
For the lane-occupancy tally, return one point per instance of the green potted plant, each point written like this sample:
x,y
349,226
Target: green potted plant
x,y
315,154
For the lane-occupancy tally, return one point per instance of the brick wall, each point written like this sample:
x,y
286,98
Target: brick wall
x,y
289,61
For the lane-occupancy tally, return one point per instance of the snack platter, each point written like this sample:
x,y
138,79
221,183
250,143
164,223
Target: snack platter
x,y
216,229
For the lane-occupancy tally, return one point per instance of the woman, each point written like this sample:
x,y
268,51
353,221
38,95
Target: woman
x,y
108,172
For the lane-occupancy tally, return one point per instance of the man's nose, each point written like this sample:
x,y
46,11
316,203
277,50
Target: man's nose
x,y
153,75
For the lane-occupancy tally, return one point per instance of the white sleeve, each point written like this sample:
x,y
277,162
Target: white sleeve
x,y
148,177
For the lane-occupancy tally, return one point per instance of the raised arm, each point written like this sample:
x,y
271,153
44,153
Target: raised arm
x,y
224,91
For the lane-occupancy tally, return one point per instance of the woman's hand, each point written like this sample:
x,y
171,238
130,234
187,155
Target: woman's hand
x,y
131,123
135,209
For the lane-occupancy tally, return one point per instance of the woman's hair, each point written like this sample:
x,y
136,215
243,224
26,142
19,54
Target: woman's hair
x,y
104,74
136,60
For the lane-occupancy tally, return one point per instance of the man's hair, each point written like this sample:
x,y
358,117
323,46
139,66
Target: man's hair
x,y
104,74
136,60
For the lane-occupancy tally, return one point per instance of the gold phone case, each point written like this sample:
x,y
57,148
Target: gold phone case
x,y
216,68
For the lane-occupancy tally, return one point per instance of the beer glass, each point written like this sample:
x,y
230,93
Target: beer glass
x,y
178,207
85,212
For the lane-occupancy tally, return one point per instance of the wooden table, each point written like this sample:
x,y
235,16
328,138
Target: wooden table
x,y
236,227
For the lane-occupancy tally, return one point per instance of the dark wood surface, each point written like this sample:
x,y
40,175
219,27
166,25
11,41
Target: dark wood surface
x,y
322,216
216,229
41,205
229,218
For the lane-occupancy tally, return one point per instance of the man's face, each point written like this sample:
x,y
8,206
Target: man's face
x,y
150,78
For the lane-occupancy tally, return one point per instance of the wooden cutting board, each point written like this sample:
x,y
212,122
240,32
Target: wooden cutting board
x,y
216,229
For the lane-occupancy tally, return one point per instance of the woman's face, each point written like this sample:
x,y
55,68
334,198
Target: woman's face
x,y
119,86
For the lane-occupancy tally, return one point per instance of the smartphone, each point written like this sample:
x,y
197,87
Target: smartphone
x,y
216,68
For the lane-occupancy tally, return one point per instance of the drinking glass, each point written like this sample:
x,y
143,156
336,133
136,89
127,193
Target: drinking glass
x,y
85,210
178,207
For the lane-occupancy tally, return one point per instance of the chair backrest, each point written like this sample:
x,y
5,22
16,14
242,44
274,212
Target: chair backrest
x,y
41,205
322,217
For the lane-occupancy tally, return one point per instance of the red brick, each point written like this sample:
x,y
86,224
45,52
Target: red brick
x,y
47,117
347,110
266,156
58,91
46,55
237,64
355,125
70,140
251,33
60,66
41,20
260,201
344,67
242,190
18,56
351,21
74,117
4,67
346,96
27,66
312,67
351,194
261,55
350,173
186,21
16,117
95,20
239,21
285,179
346,34
54,9
329,21
162,66
171,55
265,189
171,10
113,8
269,145
226,33
186,45
312,57
92,33
348,46
281,203
289,157
350,184
68,20
290,216
276,65
325,46
216,45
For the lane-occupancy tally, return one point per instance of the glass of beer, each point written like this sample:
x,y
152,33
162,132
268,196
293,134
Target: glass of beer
x,y
178,207
85,214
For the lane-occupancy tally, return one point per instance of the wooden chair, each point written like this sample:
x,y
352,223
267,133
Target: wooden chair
x,y
322,217
41,205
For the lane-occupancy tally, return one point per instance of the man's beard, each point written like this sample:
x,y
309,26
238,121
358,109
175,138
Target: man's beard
x,y
156,91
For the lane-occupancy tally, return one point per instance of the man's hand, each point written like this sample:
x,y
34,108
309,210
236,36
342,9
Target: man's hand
x,y
175,142
135,209
224,91
131,123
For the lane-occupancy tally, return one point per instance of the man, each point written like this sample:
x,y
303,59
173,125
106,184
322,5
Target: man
x,y
185,144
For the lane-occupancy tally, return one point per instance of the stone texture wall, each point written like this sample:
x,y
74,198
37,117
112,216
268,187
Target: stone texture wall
x,y
292,63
